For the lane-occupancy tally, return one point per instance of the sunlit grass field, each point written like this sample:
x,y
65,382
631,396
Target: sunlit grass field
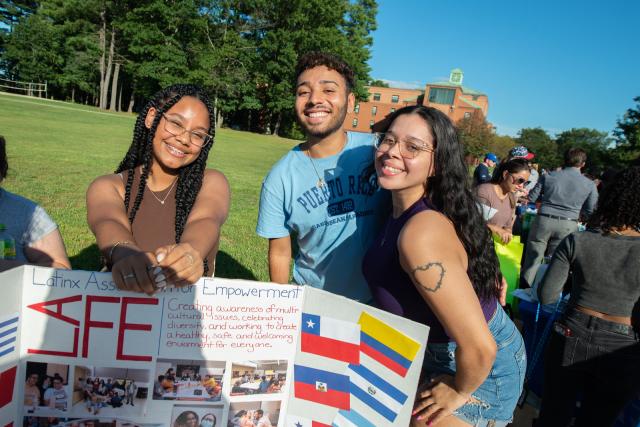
x,y
56,149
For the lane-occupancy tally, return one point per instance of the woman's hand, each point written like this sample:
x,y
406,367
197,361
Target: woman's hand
x,y
181,265
503,287
438,401
505,236
134,270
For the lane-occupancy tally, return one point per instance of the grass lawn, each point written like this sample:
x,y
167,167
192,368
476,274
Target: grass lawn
x,y
56,149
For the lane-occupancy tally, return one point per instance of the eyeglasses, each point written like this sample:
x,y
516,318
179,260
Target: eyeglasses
x,y
409,148
519,181
175,128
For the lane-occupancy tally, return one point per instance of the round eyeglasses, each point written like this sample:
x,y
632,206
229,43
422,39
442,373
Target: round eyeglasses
x,y
175,128
409,148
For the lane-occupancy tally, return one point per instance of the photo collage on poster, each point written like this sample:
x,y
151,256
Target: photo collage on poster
x,y
193,393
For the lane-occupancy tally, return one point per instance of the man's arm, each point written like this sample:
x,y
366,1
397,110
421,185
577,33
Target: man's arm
x,y
279,259
590,204
537,190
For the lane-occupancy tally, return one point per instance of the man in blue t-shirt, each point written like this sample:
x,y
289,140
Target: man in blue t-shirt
x,y
482,173
324,191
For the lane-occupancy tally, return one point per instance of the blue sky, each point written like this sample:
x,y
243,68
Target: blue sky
x,y
551,64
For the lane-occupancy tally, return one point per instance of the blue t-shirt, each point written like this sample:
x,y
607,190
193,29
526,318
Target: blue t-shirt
x,y
26,221
333,224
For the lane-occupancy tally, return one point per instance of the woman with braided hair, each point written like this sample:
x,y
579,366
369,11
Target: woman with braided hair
x,y
157,219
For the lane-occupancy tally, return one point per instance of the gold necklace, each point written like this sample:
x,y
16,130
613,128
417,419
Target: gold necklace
x,y
166,195
321,183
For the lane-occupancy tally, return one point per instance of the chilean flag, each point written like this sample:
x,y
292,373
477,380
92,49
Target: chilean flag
x,y
321,386
331,338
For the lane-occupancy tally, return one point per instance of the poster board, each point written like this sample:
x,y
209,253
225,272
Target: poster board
x,y
221,351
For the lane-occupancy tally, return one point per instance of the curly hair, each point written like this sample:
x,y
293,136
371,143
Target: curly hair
x,y
619,202
448,190
333,62
183,419
140,154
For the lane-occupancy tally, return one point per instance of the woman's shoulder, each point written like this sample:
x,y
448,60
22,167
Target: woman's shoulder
x,y
427,229
213,178
485,189
107,183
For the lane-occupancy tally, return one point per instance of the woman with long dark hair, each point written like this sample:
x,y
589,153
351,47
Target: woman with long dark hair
x,y
594,352
434,263
498,197
157,219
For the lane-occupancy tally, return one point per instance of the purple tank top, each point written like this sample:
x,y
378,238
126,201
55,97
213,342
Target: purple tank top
x,y
392,287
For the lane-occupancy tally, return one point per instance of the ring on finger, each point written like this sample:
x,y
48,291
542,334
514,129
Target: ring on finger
x,y
191,259
129,276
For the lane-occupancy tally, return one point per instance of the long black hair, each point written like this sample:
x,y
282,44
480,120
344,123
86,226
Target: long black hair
x,y
448,190
619,202
140,154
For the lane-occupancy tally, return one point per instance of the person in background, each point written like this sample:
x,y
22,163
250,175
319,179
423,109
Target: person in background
x,y
482,173
37,237
323,192
594,352
434,263
208,420
157,219
31,390
260,419
186,419
565,195
498,197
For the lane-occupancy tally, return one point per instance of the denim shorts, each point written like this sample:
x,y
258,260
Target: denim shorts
x,y
496,398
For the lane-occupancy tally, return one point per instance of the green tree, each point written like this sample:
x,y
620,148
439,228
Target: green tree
x,y
378,83
475,133
538,141
33,51
596,144
501,145
627,134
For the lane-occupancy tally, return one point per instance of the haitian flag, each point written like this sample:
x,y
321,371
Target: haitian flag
x,y
375,392
321,386
332,338
350,419
386,345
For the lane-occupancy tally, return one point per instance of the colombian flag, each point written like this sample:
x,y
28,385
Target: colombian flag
x,y
321,386
386,345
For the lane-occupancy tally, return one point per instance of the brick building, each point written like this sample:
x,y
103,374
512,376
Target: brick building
x,y
450,97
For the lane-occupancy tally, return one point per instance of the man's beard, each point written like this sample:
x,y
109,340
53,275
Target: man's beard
x,y
333,126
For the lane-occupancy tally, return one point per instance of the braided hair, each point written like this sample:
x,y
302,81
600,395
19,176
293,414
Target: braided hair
x,y
140,153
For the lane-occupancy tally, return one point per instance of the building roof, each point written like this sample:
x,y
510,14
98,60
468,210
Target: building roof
x,y
465,89
470,102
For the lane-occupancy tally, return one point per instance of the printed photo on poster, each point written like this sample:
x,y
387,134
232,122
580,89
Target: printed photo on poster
x,y
191,380
77,422
254,414
196,416
258,377
46,389
110,392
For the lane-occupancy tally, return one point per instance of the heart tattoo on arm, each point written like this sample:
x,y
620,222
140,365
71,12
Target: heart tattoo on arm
x,y
425,267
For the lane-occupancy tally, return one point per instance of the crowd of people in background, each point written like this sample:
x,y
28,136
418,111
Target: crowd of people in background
x,y
389,219
98,393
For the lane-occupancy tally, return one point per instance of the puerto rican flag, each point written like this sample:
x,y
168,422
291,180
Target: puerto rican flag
x,y
324,387
297,421
332,338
